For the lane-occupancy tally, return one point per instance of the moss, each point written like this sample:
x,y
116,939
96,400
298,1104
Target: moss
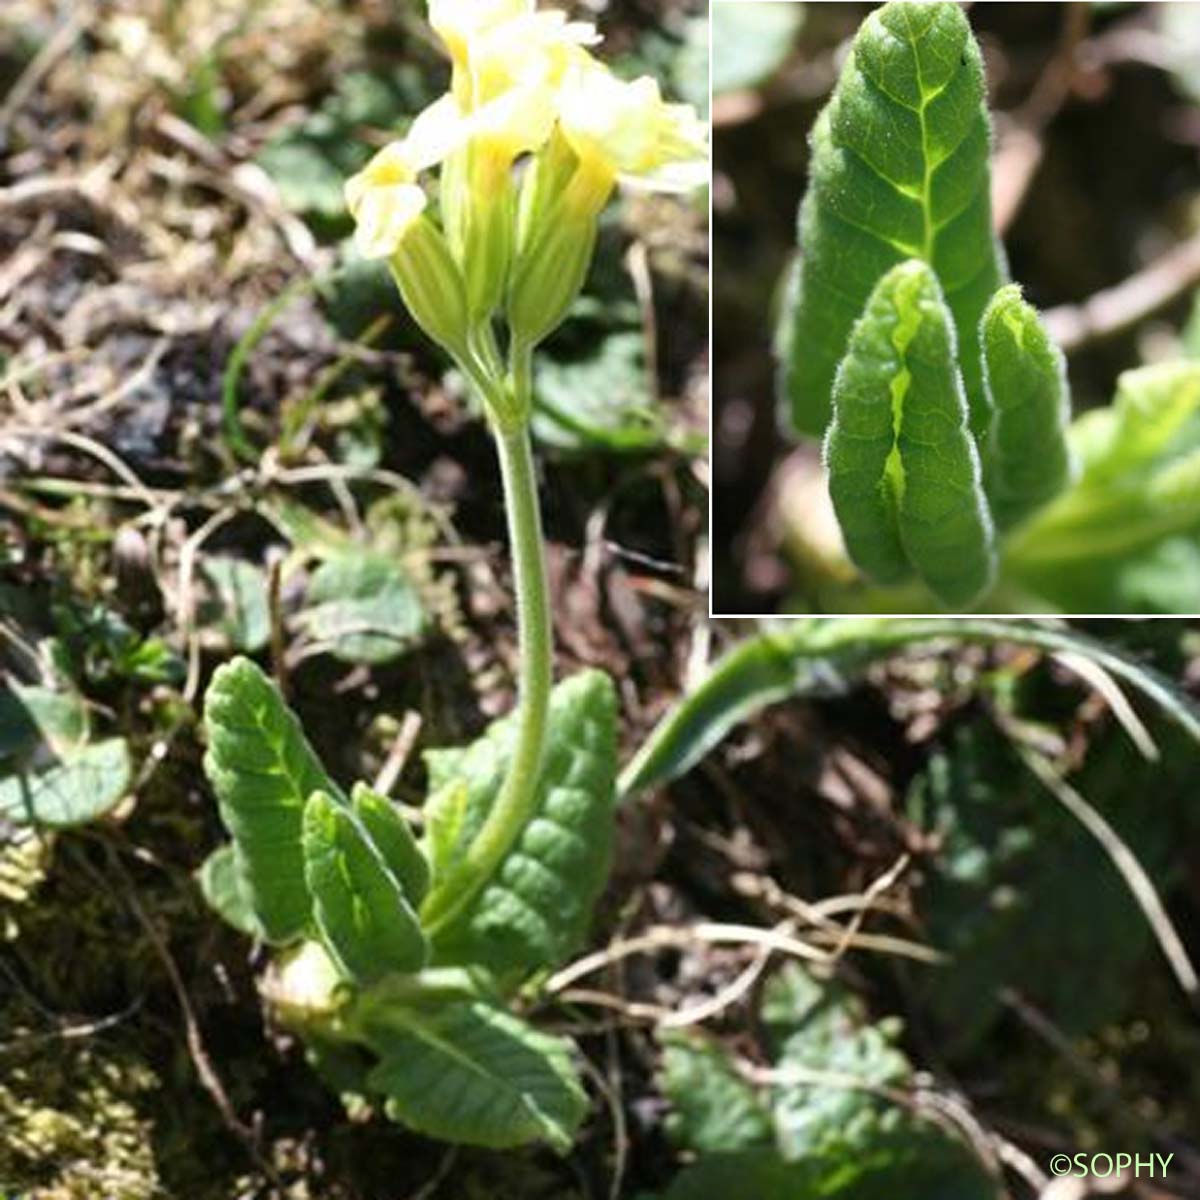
x,y
73,1122
23,863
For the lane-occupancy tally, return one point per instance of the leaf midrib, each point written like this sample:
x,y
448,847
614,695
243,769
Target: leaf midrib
x,y
929,232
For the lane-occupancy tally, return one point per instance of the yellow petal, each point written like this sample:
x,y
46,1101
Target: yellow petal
x,y
517,122
384,214
435,134
458,22
389,166
630,129
535,50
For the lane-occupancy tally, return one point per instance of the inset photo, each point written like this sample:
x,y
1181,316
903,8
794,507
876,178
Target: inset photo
x,y
956,252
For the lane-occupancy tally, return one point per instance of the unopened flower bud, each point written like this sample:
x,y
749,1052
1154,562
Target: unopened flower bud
x,y
303,984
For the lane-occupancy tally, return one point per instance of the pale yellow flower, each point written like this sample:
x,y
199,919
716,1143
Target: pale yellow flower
x,y
533,51
384,198
517,122
435,134
626,131
460,22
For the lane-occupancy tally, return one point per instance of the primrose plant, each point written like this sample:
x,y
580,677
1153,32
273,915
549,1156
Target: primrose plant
x,y
941,398
397,955
953,473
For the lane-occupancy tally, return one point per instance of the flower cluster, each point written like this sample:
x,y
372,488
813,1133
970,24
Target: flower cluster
x,y
525,88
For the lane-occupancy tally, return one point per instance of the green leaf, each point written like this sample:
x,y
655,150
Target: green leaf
x,y
82,787
1153,414
447,812
394,840
241,611
30,715
915,1162
714,1110
365,920
813,654
225,892
904,473
752,1173
819,1028
1026,376
837,1134
310,161
1139,486
1022,896
899,170
535,910
364,606
263,771
476,1074
754,674
598,401
752,41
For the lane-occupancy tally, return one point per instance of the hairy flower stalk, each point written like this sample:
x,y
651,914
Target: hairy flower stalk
x,y
496,268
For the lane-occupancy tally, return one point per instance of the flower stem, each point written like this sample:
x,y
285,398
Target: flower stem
x,y
517,797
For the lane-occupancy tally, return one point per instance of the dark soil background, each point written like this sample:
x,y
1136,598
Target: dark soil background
x,y
1103,95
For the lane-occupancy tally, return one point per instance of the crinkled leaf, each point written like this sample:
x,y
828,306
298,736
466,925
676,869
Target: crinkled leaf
x,y
904,472
819,1028
447,812
536,908
394,840
364,918
765,1176
899,170
1028,461
714,1110
476,1074
1159,580
225,891
310,161
1154,416
364,606
80,788
907,1164
263,771
837,1134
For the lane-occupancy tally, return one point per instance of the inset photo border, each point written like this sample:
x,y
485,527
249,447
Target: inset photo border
x,y
956,348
